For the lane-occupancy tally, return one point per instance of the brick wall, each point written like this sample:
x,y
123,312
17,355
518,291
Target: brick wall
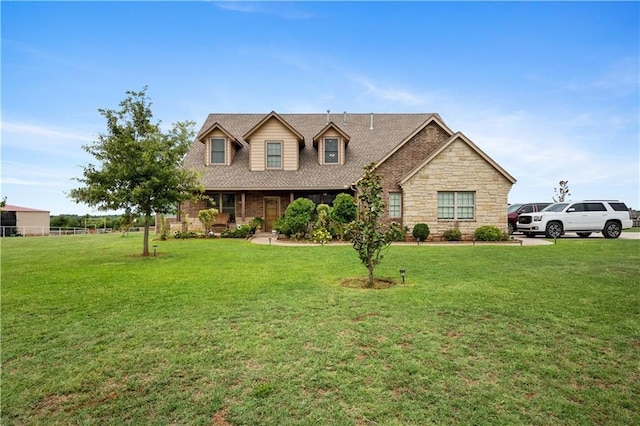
x,y
407,158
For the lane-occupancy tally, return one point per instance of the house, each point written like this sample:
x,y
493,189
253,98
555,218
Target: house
x,y
16,220
256,164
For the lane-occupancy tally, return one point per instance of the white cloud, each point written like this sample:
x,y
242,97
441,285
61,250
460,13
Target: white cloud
x,y
621,78
387,94
541,148
25,182
27,129
284,10
42,138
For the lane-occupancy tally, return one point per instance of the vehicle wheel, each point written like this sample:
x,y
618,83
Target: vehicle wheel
x,y
512,228
529,235
583,234
612,229
554,230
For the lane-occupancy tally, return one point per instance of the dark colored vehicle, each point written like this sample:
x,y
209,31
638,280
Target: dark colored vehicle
x,y
516,210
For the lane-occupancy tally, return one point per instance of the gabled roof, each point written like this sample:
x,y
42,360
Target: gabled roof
x,y
366,145
202,136
458,136
331,125
268,117
433,118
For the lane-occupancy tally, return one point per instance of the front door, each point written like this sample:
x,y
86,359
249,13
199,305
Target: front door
x,y
271,212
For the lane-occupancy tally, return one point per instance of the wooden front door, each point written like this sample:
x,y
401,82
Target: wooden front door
x,y
271,212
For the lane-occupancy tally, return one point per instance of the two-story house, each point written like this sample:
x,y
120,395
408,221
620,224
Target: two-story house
x,y
256,164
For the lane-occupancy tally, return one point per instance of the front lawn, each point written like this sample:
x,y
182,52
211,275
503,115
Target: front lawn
x,y
225,332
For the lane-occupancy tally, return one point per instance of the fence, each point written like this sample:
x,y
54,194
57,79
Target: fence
x,y
43,231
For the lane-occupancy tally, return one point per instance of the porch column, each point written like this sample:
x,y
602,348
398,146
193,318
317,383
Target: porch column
x,y
242,204
290,197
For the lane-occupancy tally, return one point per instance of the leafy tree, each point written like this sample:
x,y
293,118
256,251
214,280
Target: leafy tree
x,y
561,191
141,169
367,236
3,202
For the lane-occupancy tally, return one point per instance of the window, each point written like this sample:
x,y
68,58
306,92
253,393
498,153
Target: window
x,y
225,203
595,207
274,155
331,151
456,205
395,203
217,151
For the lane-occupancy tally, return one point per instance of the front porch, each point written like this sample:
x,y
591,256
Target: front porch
x,y
243,206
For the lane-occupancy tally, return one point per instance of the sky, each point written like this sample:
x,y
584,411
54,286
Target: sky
x,y
549,90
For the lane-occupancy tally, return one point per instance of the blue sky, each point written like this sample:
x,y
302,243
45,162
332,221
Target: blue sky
x,y
549,90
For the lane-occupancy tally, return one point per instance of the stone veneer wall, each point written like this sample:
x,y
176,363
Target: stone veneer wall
x,y
457,168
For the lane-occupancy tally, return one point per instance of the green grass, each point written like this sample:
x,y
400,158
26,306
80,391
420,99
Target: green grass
x,y
226,332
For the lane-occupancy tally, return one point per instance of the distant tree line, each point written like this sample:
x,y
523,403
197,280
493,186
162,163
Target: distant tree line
x,y
93,222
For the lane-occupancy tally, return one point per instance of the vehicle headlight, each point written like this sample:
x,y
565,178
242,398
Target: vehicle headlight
x,y
537,218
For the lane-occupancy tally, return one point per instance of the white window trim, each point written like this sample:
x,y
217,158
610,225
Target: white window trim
x,y
210,160
456,205
266,155
324,149
399,207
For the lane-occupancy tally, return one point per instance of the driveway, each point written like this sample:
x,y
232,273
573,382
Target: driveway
x,y
623,236
573,235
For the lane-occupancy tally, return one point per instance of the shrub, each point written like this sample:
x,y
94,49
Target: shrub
x,y
164,228
452,235
242,231
344,208
296,217
421,231
397,232
207,218
256,222
487,233
321,236
344,211
185,235
320,232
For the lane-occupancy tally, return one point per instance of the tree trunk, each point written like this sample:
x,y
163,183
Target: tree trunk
x,y
145,241
370,282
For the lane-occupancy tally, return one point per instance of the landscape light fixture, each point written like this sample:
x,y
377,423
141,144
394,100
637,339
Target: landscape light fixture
x,y
402,274
155,248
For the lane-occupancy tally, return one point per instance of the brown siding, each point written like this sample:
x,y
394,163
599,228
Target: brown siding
x,y
273,130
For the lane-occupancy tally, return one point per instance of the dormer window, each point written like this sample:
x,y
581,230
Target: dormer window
x,y
331,151
331,143
274,155
218,152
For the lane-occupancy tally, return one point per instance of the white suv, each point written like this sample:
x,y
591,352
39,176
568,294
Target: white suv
x,y
581,217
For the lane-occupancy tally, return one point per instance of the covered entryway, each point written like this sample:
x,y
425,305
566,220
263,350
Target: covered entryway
x,y
271,212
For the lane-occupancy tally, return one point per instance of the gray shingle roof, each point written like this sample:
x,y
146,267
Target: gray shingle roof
x,y
365,146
